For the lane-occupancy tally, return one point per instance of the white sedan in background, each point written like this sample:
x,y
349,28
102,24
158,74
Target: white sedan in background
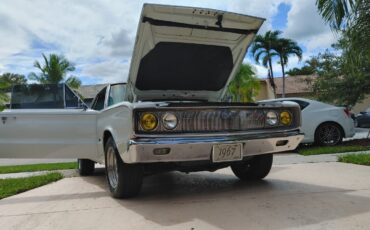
x,y
322,124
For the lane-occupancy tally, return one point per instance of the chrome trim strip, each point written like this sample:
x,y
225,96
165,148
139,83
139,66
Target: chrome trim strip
x,y
216,134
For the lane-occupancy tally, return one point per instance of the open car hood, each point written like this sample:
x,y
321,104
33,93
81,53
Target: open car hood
x,y
186,53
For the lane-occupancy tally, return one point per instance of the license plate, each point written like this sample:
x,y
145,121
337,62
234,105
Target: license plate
x,y
227,152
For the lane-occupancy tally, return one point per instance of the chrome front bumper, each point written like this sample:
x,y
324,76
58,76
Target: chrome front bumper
x,y
141,150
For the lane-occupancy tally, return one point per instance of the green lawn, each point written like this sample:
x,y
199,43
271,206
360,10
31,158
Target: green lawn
x,y
360,159
306,151
37,167
9,187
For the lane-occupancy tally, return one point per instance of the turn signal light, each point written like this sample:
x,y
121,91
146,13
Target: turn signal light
x,y
148,121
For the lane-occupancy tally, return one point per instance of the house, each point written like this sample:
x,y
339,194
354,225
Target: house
x,y
295,86
266,91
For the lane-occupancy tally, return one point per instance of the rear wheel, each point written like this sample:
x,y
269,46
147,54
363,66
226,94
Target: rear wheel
x,y
86,167
254,169
328,134
124,180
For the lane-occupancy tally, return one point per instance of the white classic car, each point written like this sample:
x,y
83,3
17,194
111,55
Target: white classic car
x,y
169,115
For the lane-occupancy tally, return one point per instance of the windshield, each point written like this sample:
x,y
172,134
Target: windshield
x,y
116,94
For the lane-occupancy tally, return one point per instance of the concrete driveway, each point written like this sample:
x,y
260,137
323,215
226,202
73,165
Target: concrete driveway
x,y
306,196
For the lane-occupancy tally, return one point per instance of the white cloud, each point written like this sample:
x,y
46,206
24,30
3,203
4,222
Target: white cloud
x,y
98,36
111,71
261,71
307,26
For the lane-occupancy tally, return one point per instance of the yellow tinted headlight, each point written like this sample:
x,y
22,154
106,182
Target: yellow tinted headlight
x,y
148,121
285,118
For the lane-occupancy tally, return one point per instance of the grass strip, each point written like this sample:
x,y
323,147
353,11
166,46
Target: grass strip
x,y
12,186
359,159
37,167
307,151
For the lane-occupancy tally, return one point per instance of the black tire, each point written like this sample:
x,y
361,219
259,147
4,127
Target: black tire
x,y
124,180
328,134
86,167
256,168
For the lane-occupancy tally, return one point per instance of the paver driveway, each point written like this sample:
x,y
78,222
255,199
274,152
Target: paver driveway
x,y
307,196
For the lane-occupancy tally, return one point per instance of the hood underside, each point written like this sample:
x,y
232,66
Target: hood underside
x,y
187,53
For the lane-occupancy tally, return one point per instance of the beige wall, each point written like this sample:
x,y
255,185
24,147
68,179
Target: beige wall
x,y
362,106
265,92
304,95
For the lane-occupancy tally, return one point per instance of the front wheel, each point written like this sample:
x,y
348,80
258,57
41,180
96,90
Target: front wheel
x,y
124,180
256,168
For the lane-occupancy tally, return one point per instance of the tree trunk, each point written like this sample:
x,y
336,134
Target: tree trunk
x,y
272,82
283,71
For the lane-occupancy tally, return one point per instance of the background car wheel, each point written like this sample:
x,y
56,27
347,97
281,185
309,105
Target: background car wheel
x,y
328,134
124,180
86,167
254,169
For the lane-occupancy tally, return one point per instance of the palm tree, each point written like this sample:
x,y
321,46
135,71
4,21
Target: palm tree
x,y
337,12
285,47
245,86
54,71
13,79
262,48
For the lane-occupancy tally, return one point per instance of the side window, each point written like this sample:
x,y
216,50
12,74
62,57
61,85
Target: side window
x,y
116,94
48,96
99,100
71,98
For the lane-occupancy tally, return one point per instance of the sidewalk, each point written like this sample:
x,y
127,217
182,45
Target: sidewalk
x,y
65,173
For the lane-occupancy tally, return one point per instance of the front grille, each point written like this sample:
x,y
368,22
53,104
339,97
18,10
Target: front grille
x,y
222,120
209,120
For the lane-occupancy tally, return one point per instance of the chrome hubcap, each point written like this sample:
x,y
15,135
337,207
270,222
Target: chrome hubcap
x,y
112,169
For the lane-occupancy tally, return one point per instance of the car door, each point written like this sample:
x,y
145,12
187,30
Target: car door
x,y
68,132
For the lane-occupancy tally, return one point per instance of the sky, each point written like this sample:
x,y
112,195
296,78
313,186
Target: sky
x,y
98,35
